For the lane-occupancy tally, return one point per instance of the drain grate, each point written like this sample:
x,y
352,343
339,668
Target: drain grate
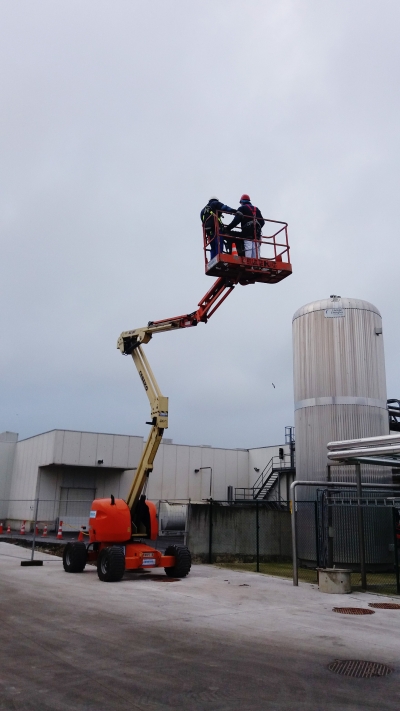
x,y
353,610
359,669
385,605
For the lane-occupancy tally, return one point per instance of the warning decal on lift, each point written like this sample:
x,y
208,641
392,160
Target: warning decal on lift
x,y
92,514
148,561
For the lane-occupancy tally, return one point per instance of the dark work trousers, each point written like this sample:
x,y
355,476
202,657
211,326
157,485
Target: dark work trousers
x,y
216,241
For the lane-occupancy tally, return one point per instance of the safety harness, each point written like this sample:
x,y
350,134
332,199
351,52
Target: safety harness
x,y
209,213
250,223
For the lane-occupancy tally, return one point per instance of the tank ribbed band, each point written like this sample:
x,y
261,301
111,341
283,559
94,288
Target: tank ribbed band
x,y
340,400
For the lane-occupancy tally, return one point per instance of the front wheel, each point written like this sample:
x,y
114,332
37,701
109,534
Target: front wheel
x,y
183,561
111,564
74,557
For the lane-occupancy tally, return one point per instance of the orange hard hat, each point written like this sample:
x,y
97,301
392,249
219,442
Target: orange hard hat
x,y
245,197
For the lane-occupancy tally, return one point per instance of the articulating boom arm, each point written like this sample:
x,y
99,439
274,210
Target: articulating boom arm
x,y
129,340
129,343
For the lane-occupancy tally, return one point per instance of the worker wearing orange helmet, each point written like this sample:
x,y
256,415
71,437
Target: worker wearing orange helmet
x,y
251,222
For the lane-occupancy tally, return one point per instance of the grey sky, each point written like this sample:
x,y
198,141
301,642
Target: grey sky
x,y
119,119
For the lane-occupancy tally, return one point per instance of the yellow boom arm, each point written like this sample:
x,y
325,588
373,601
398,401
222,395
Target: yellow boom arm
x,y
130,343
159,422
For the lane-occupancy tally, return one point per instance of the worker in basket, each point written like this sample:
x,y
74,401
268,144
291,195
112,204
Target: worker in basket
x,y
251,222
209,215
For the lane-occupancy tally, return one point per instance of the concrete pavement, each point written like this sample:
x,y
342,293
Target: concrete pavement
x,y
218,640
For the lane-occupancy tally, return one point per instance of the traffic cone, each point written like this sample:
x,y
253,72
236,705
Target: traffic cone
x,y
1,528
36,530
44,534
81,536
234,250
8,528
59,534
22,529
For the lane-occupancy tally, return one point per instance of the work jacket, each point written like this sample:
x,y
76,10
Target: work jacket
x,y
213,207
246,219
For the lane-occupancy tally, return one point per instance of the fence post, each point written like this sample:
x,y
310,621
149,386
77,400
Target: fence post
x,y
34,528
361,539
316,531
210,532
294,532
257,537
396,552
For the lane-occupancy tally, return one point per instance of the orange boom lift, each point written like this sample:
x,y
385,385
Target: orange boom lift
x,y
118,528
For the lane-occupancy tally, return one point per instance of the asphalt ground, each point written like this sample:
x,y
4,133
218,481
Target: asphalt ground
x,y
219,640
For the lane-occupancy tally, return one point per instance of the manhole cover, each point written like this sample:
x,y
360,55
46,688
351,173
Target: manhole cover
x,y
385,605
353,610
359,669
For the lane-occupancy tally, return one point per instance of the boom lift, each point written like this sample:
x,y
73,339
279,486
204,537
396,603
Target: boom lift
x,y
116,527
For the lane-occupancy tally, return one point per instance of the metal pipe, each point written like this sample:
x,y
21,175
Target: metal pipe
x,y
346,453
375,460
324,484
363,442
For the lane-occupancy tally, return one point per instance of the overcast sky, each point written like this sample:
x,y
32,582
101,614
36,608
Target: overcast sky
x,y
119,119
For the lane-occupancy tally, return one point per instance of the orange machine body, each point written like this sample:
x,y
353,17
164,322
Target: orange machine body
x,y
109,523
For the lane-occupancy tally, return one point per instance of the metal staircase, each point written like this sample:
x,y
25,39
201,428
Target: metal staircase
x,y
270,475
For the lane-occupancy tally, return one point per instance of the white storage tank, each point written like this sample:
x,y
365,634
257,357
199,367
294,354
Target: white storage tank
x,y
339,382
340,394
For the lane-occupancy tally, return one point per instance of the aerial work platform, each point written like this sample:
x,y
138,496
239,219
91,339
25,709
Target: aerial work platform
x,y
264,258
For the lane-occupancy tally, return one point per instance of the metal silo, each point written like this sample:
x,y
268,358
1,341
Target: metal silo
x,y
339,385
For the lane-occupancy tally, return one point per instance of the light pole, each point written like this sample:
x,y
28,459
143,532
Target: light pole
x,y
196,471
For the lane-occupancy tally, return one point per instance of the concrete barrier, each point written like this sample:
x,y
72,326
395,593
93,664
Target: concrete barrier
x,y
234,533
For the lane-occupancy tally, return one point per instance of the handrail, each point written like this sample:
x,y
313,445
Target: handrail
x,y
261,481
218,232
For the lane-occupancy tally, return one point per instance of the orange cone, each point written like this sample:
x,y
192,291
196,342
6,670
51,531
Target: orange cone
x,y
8,528
81,536
1,528
44,534
234,250
22,529
59,534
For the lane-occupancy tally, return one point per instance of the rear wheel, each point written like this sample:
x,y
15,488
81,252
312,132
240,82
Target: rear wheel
x,y
183,561
111,564
74,557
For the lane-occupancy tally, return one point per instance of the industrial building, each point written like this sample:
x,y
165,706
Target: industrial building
x,y
64,466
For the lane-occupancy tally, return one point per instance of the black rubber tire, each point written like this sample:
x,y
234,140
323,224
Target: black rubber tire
x,y
183,561
74,557
111,564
